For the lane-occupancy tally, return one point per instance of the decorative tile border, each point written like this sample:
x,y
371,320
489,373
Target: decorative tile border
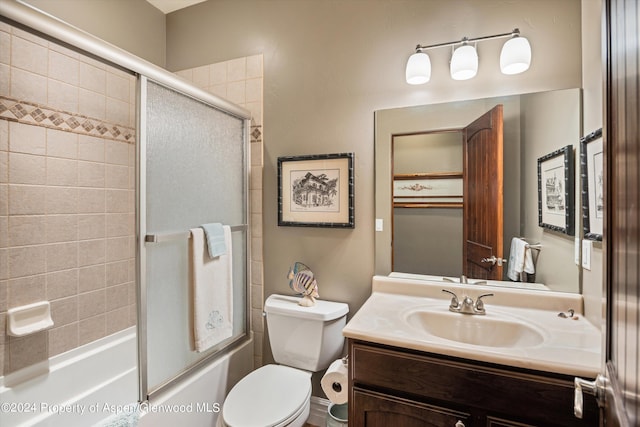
x,y
256,133
34,114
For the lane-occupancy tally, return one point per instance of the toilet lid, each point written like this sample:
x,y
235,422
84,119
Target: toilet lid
x,y
268,396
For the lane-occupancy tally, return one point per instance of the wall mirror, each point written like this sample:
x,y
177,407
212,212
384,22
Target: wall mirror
x,y
423,144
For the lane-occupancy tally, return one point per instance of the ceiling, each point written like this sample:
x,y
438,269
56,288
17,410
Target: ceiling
x,y
168,6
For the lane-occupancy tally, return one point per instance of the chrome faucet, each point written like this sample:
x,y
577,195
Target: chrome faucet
x,y
467,305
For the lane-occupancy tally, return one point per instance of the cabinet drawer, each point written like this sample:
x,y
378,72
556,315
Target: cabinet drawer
x,y
496,390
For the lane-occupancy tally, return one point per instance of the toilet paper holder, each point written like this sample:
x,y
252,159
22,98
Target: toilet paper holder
x,y
336,386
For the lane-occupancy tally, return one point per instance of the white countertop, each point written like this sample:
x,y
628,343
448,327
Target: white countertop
x,y
571,347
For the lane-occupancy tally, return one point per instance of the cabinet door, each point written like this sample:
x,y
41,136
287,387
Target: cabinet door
x,y
380,410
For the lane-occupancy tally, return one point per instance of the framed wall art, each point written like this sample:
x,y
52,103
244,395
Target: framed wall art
x,y
592,180
556,191
316,190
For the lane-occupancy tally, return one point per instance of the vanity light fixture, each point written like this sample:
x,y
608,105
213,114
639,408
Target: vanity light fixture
x,y
515,58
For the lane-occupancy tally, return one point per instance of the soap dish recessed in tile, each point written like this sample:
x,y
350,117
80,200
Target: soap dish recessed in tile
x,y
29,319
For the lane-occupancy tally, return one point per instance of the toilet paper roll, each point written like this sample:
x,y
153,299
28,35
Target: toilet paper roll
x,y
335,382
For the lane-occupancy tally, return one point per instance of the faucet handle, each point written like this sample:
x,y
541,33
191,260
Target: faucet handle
x,y
479,305
454,300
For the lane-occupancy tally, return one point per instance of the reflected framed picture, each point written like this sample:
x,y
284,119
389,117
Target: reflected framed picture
x,y
592,180
556,191
316,190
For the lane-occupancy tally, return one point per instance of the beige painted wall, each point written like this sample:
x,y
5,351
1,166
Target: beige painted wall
x,y
328,65
133,25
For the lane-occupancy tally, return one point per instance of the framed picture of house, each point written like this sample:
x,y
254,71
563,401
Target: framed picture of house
x,y
316,191
556,191
592,180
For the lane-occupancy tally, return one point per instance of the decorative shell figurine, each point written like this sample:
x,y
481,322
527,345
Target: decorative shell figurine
x,y
301,281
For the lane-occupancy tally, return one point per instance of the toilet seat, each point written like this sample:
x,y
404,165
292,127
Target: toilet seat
x,y
270,396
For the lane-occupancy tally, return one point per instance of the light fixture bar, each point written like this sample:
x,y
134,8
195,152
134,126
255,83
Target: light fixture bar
x,y
515,32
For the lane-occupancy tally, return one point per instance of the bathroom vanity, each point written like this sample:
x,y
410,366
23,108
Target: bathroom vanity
x,y
412,362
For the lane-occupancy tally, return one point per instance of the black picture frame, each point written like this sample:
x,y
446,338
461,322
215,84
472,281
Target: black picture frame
x,y
556,189
316,190
592,185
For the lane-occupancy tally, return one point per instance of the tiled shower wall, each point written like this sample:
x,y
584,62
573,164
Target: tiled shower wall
x,y
67,183
241,81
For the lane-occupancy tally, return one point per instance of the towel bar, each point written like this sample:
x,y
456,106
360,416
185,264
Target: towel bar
x,y
182,235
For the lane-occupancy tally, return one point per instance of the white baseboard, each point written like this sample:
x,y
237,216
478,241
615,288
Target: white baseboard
x,y
318,411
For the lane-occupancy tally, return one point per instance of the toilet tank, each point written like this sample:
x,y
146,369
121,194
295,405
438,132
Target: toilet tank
x,y
308,338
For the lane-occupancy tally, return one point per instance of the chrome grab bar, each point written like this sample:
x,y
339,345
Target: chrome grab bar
x,y
181,235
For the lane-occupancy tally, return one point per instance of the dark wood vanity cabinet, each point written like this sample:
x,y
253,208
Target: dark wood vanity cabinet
x,y
391,387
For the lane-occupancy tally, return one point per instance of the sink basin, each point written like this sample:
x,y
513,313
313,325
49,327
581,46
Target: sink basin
x,y
490,330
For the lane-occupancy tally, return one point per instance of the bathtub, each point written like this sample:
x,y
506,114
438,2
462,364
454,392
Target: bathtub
x,y
97,385
71,389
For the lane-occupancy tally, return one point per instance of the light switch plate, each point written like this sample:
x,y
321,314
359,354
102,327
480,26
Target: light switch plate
x,y
587,246
379,223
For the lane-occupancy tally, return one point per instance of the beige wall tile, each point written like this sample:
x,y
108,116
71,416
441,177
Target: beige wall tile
x,y
218,73
91,174
236,92
118,249
62,96
117,320
118,225
117,297
27,230
62,256
62,228
29,56
27,169
27,351
117,273
116,153
4,264
91,200
91,226
92,77
256,112
253,90
27,261
4,135
64,311
28,36
26,290
92,104
254,66
4,231
62,144
5,48
92,328
236,69
26,200
201,76
60,200
62,172
5,80
117,111
117,201
3,297
63,339
90,148
27,139
61,284
91,304
118,87
91,278
117,176
92,252
4,199
64,68
26,85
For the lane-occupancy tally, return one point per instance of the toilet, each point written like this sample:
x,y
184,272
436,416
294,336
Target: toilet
x,y
303,340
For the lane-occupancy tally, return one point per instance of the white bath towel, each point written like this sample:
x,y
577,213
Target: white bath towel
x,y
212,283
520,259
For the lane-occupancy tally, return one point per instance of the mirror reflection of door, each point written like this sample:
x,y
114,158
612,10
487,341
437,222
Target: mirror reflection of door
x,y
427,214
483,197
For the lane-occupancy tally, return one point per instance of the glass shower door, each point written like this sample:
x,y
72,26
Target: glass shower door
x,y
193,161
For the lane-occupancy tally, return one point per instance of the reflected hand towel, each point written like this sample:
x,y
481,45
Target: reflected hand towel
x,y
215,239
